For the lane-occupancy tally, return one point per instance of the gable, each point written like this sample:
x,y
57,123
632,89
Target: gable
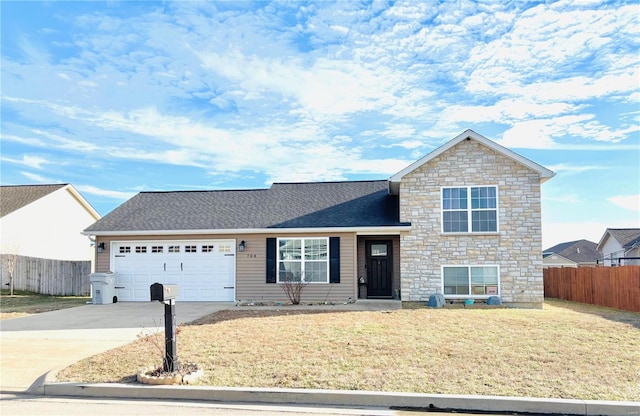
x,y
553,259
394,181
12,198
623,237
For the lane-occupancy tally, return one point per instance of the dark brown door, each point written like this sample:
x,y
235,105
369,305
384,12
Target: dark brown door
x,y
379,269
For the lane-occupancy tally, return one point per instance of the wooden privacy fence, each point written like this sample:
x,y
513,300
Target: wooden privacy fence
x,y
614,287
47,276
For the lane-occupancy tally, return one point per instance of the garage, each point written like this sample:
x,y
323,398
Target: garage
x,y
203,269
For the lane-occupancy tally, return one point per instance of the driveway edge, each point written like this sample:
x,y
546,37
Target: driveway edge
x,y
344,398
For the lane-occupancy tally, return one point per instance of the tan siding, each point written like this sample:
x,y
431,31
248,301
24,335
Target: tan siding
x,y
251,266
251,273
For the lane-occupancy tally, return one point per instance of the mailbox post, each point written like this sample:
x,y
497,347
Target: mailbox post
x,y
167,294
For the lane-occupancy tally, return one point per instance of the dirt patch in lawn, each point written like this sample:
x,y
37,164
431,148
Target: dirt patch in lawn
x,y
26,303
563,351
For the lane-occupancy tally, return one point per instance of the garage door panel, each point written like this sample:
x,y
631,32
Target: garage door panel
x,y
140,279
189,293
192,280
124,294
202,269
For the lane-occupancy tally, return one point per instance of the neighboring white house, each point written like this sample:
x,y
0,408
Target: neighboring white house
x,y
620,246
45,221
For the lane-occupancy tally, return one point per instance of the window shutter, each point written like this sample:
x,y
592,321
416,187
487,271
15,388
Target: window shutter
x,y
334,259
271,260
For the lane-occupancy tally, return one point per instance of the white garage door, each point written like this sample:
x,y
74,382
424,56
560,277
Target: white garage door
x,y
204,270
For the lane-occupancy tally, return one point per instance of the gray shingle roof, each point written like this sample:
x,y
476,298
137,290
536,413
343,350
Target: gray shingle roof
x,y
15,197
284,205
625,236
580,251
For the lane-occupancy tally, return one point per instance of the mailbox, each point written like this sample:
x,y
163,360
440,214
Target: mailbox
x,y
163,292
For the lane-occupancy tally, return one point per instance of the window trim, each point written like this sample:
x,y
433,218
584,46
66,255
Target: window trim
x,y
470,295
470,211
302,261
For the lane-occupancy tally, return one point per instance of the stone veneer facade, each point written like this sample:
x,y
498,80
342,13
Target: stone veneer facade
x,y
516,248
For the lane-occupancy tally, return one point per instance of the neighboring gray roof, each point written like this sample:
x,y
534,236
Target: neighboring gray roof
x,y
12,198
284,205
580,251
627,237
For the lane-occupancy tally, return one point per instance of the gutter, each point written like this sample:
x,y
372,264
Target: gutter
x,y
390,230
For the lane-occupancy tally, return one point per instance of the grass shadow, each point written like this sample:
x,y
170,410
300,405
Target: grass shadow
x,y
611,314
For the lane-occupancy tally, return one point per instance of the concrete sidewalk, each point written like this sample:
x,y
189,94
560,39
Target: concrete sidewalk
x,y
33,346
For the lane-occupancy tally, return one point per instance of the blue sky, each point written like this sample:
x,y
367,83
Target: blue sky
x,y
121,97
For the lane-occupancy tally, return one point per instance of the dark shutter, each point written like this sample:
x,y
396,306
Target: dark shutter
x,y
334,259
271,260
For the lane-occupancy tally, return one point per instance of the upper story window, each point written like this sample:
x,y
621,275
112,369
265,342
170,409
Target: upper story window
x,y
470,209
303,259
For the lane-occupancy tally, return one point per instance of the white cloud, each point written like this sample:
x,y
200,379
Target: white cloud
x,y
575,169
34,162
544,133
119,195
38,178
630,202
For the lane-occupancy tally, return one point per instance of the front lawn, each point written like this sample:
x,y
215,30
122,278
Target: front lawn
x,y
27,303
566,350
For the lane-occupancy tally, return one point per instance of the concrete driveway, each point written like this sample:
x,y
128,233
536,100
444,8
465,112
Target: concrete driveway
x,y
35,345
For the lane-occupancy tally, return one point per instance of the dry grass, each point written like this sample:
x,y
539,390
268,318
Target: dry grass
x,y
26,303
564,351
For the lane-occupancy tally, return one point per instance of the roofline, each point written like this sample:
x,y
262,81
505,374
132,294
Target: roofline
x,y
603,239
607,234
394,229
74,192
545,174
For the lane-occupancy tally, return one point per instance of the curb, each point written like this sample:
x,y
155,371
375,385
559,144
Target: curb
x,y
345,398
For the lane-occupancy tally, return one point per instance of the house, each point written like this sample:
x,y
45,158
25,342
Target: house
x,y
463,221
45,221
620,246
579,253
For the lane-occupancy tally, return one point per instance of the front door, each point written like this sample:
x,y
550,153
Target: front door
x,y
379,269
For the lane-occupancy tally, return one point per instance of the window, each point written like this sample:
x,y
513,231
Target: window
x,y
224,248
207,249
378,250
174,249
141,249
125,249
157,249
469,281
472,208
303,259
190,249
